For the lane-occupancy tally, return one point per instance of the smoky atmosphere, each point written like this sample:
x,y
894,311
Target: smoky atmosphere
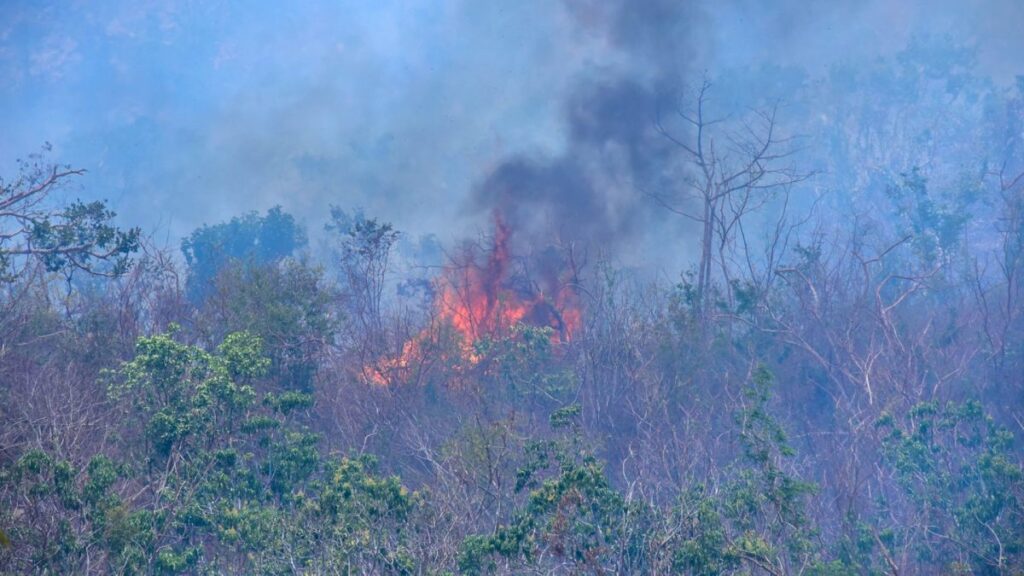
x,y
438,287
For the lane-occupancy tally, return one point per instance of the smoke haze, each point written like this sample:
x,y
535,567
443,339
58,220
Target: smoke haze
x,y
429,114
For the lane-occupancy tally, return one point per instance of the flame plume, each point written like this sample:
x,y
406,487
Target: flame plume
x,y
481,298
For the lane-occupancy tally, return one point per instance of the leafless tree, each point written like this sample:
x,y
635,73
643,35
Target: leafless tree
x,y
734,167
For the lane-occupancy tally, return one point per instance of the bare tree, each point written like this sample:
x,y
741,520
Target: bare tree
x,y
1000,304
735,168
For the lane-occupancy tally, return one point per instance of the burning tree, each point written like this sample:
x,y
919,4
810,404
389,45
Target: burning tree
x,y
484,293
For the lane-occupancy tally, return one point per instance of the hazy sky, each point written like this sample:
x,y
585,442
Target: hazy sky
x,y
190,112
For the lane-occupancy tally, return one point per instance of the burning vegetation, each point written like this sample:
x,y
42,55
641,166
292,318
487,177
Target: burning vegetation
x,y
801,270
485,292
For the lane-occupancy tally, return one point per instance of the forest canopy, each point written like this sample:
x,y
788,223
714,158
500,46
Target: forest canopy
x,y
819,371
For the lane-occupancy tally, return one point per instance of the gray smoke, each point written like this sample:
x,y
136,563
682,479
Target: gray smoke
x,y
427,113
592,191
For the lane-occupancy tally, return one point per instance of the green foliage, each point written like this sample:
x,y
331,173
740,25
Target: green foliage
x,y
366,517
935,224
249,238
186,396
524,365
645,442
79,236
290,400
347,521
565,417
362,239
571,516
233,485
62,511
703,542
959,480
243,356
757,519
291,461
171,562
285,303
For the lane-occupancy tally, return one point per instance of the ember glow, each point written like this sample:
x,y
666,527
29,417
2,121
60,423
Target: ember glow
x,y
484,294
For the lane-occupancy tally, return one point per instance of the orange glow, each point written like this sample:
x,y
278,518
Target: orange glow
x,y
479,300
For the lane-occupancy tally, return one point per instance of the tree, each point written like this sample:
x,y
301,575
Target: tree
x,y
251,237
79,236
364,247
571,516
757,518
733,170
959,506
287,304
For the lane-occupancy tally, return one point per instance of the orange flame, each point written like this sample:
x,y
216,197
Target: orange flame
x,y
479,301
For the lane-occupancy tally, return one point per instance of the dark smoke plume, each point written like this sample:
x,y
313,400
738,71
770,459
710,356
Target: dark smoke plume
x,y
591,191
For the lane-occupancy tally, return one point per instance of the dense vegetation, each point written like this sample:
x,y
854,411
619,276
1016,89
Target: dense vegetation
x,y
834,387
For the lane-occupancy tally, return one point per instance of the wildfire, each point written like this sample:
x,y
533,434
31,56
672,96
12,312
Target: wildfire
x,y
480,297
